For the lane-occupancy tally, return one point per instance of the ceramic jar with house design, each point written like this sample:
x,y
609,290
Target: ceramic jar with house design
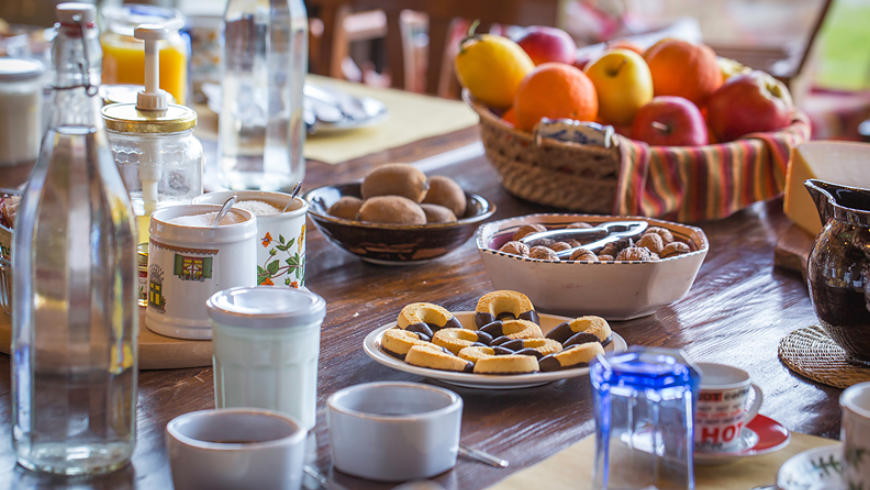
x,y
187,264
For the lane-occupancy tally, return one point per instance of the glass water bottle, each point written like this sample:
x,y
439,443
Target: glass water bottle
x,y
74,314
265,46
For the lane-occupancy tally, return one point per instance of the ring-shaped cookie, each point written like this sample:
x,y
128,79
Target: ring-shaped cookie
x,y
506,331
475,353
504,305
544,346
510,364
426,318
579,355
591,324
437,357
397,342
456,339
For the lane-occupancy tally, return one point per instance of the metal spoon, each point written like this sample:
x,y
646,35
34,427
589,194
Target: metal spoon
x,y
293,194
483,457
224,210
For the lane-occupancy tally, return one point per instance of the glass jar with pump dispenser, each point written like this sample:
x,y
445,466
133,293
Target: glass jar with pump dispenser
x,y
152,141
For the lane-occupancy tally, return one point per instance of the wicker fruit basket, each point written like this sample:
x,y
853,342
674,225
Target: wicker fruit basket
x,y
676,183
550,172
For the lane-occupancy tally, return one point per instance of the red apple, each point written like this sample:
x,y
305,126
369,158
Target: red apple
x,y
547,44
670,121
751,103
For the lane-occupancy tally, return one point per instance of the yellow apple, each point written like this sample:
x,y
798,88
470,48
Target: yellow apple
x,y
624,85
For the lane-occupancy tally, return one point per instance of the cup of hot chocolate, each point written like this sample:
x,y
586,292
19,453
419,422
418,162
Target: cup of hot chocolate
x,y
280,233
724,407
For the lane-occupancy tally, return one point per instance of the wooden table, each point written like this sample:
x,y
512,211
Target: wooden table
x,y
737,312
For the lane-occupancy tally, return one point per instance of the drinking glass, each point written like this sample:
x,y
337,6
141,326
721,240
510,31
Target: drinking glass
x,y
644,404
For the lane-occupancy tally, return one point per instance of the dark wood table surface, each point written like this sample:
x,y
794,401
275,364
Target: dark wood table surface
x,y
737,311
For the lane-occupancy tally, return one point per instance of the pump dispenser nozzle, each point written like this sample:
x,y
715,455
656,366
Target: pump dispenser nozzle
x,y
153,98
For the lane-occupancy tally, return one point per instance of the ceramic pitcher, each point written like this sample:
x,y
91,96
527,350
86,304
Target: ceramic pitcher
x,y
838,271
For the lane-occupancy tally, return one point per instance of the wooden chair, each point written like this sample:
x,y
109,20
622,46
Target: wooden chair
x,y
440,13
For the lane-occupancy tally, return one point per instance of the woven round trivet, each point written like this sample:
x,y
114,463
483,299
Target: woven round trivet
x,y
812,353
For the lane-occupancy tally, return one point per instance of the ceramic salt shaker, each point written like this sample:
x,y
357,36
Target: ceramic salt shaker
x,y
189,260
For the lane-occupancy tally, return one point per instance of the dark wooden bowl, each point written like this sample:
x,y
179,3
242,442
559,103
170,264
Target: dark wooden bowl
x,y
390,244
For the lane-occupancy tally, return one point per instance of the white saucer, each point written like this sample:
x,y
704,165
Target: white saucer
x,y
485,381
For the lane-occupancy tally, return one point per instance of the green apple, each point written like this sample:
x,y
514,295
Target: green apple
x,y
624,85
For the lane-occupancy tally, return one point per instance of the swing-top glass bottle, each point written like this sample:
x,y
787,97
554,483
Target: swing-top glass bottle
x,y
74,310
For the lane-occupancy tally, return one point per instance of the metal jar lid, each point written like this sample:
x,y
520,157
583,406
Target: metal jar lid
x,y
123,94
125,118
17,69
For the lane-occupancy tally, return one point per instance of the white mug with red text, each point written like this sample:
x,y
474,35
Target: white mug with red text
x,y
724,408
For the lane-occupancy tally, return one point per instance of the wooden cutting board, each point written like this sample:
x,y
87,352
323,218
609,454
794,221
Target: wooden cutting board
x,y
793,250
155,351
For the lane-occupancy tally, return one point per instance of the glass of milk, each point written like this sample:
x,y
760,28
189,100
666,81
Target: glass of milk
x,y
189,260
280,235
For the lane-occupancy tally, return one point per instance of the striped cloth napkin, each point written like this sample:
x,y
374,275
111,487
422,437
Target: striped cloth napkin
x,y
690,184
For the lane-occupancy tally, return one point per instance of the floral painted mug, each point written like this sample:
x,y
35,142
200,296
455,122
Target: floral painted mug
x,y
280,235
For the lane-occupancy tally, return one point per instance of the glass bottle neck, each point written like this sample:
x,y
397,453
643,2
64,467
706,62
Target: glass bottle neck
x,y
77,60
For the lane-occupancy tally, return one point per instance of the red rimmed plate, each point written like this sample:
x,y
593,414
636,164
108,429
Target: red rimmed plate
x,y
761,436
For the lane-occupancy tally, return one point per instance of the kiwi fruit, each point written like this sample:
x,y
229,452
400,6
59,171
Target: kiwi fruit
x,y
392,209
444,191
438,214
346,208
395,179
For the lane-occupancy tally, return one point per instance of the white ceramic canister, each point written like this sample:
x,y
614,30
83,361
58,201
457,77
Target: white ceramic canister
x,y
280,237
187,264
266,348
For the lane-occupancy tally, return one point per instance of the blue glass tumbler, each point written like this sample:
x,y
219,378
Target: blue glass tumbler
x,y
644,404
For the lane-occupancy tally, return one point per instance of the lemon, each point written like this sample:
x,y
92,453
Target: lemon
x,y
491,68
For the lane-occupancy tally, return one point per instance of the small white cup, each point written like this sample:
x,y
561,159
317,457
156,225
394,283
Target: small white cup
x,y
394,431
855,434
280,237
266,348
237,449
723,408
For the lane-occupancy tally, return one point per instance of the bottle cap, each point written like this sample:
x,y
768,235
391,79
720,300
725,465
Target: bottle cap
x,y
74,13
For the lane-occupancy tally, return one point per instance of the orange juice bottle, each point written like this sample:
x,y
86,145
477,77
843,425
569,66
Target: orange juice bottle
x,y
124,55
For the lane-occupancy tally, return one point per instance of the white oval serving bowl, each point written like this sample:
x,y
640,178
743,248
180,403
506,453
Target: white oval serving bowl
x,y
613,290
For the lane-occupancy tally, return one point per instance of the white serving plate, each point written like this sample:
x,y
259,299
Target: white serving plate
x,y
613,290
372,345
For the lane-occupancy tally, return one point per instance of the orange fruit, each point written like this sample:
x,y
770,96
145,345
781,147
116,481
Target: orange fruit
x,y
625,44
652,49
510,117
684,69
555,91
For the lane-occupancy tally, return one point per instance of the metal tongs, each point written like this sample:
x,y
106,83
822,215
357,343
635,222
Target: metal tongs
x,y
609,232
